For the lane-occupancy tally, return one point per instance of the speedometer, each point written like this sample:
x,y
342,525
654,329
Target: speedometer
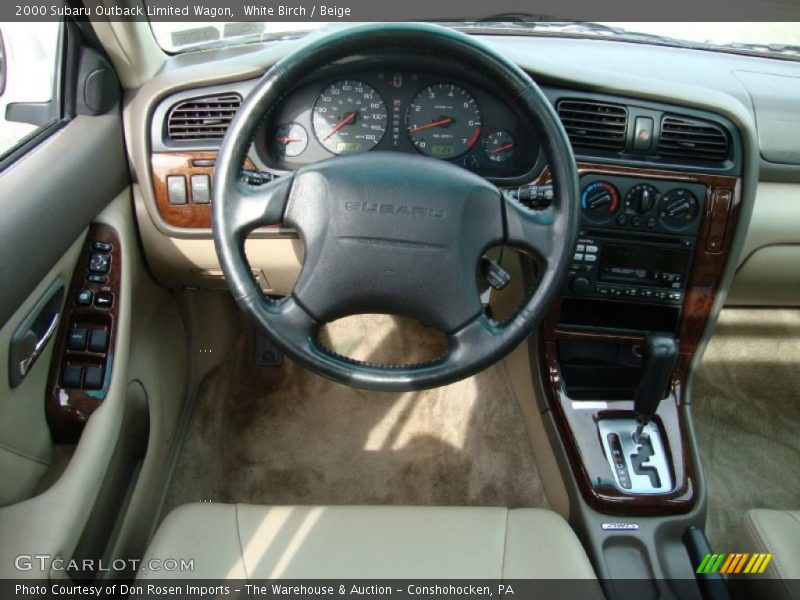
x,y
349,116
444,121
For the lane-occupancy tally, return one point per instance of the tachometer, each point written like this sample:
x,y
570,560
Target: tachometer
x,y
349,116
444,121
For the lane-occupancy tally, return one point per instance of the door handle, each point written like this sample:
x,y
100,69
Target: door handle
x,y
34,332
26,363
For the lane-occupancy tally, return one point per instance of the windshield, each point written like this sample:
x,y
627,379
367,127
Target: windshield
x,y
778,39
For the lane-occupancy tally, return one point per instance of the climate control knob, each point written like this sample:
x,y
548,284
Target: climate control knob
x,y
641,199
678,208
580,285
600,200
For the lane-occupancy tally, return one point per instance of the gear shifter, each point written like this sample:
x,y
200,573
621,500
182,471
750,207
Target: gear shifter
x,y
659,356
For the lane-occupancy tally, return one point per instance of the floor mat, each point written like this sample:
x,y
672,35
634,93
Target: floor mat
x,y
746,411
285,436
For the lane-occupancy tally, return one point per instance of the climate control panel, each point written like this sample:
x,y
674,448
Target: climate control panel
x,y
635,205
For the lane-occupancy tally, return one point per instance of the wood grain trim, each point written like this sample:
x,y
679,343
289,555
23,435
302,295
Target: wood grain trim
x,y
577,427
189,215
68,410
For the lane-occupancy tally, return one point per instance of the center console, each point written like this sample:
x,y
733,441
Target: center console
x,y
649,257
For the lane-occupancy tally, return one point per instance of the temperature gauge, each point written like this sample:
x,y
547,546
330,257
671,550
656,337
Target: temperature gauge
x,y
499,146
290,140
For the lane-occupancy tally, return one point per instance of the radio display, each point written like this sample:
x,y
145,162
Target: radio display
x,y
643,264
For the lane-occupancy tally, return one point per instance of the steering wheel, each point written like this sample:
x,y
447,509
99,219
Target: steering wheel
x,y
388,232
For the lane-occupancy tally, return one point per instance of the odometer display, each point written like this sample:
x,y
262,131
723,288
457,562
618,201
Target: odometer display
x,y
349,116
444,121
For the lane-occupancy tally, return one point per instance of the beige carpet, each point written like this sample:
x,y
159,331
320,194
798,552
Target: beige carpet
x,y
746,410
282,435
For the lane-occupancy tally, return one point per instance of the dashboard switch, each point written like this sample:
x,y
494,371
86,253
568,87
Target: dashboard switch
x,y
176,189
642,134
201,189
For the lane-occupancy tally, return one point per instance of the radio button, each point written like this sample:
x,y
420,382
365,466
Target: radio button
x,y
590,258
579,248
578,256
591,249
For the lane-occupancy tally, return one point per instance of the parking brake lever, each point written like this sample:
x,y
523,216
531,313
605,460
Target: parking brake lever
x,y
659,357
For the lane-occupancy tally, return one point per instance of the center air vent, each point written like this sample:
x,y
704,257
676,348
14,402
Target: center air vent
x,y
692,139
594,124
205,118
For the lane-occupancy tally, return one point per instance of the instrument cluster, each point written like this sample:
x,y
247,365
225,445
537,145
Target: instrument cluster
x,y
403,111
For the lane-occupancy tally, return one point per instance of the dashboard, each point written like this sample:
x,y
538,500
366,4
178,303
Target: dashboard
x,y
456,118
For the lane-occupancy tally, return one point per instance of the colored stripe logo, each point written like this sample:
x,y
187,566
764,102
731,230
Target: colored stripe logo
x,y
734,563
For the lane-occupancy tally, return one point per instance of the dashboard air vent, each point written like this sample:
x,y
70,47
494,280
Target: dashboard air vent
x,y
594,124
205,118
692,139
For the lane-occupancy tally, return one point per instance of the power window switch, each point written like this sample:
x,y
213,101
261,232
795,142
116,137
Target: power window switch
x,y
77,339
176,189
71,377
98,340
201,189
84,297
93,378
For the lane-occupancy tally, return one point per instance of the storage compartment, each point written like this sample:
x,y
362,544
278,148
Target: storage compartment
x,y
600,371
632,317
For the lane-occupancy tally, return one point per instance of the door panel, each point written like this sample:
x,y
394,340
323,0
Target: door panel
x,y
25,444
50,196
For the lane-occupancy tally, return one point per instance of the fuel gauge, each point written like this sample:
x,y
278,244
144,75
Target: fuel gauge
x,y
499,146
290,140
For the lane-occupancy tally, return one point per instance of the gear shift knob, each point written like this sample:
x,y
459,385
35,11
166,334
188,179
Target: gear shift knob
x,y
659,357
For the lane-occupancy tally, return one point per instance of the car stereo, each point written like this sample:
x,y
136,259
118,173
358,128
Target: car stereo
x,y
643,269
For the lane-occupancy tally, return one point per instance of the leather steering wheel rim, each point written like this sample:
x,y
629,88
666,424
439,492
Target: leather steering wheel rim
x,y
329,203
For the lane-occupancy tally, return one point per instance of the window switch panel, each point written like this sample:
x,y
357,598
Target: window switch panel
x,y
77,339
98,340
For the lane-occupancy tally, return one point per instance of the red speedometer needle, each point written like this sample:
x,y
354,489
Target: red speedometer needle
x,y
439,123
285,139
502,148
348,119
